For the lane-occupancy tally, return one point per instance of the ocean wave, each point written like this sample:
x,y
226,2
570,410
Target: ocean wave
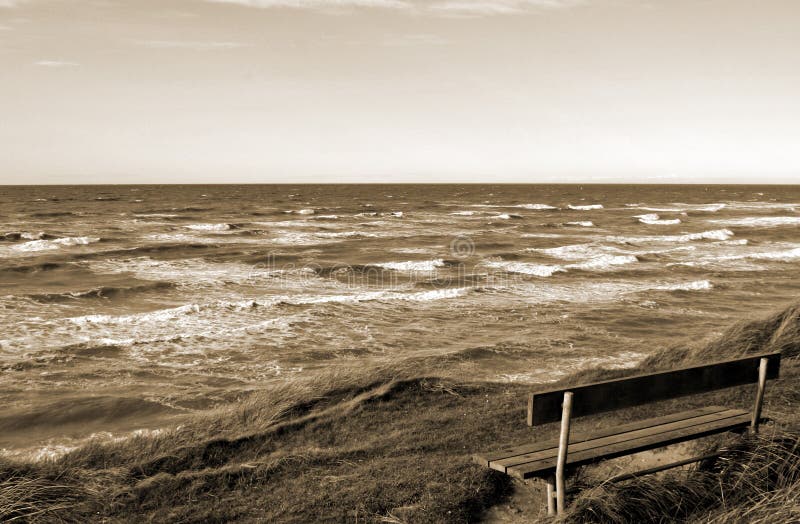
x,y
34,268
577,252
716,234
105,292
587,207
210,227
176,240
305,211
780,255
463,213
192,272
156,215
783,256
581,223
759,221
696,285
542,235
536,207
678,207
297,238
764,205
422,266
54,214
573,251
161,316
14,236
347,234
654,219
46,245
601,262
525,268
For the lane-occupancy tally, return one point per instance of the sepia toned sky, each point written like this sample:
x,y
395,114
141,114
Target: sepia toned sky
x,y
173,91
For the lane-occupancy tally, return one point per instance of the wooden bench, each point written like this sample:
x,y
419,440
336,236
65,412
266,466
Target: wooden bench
x,y
552,459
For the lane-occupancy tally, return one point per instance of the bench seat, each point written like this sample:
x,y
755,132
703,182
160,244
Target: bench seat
x,y
539,459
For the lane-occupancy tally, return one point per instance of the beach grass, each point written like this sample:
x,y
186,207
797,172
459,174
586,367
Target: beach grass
x,y
394,443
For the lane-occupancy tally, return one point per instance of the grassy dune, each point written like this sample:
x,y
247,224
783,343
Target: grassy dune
x,y
394,445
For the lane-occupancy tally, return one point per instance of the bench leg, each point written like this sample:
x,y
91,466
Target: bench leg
x,y
762,383
551,493
563,444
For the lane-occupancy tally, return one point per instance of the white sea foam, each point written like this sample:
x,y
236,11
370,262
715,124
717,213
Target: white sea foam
x,y
397,214
716,234
32,236
348,234
45,245
295,238
677,207
525,268
541,207
305,211
503,216
654,219
783,256
209,227
759,221
581,223
602,262
576,252
413,266
572,251
588,207
212,310
696,285
713,208
780,255
161,315
463,213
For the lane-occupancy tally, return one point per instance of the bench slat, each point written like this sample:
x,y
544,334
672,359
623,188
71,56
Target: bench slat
x,y
609,395
533,447
544,467
601,442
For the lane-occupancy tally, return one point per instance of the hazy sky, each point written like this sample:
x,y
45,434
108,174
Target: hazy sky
x,y
96,91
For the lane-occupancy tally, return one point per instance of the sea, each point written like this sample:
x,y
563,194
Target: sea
x,y
125,308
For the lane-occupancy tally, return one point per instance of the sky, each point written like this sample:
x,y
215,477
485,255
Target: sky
x,y
272,91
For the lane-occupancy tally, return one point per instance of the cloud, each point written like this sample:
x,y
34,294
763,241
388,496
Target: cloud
x,y
498,7
196,45
460,8
318,4
56,63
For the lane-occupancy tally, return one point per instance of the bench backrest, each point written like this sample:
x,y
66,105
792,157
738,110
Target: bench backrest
x,y
626,392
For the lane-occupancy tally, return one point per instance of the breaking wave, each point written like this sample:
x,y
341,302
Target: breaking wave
x,y
588,207
758,221
654,219
47,245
